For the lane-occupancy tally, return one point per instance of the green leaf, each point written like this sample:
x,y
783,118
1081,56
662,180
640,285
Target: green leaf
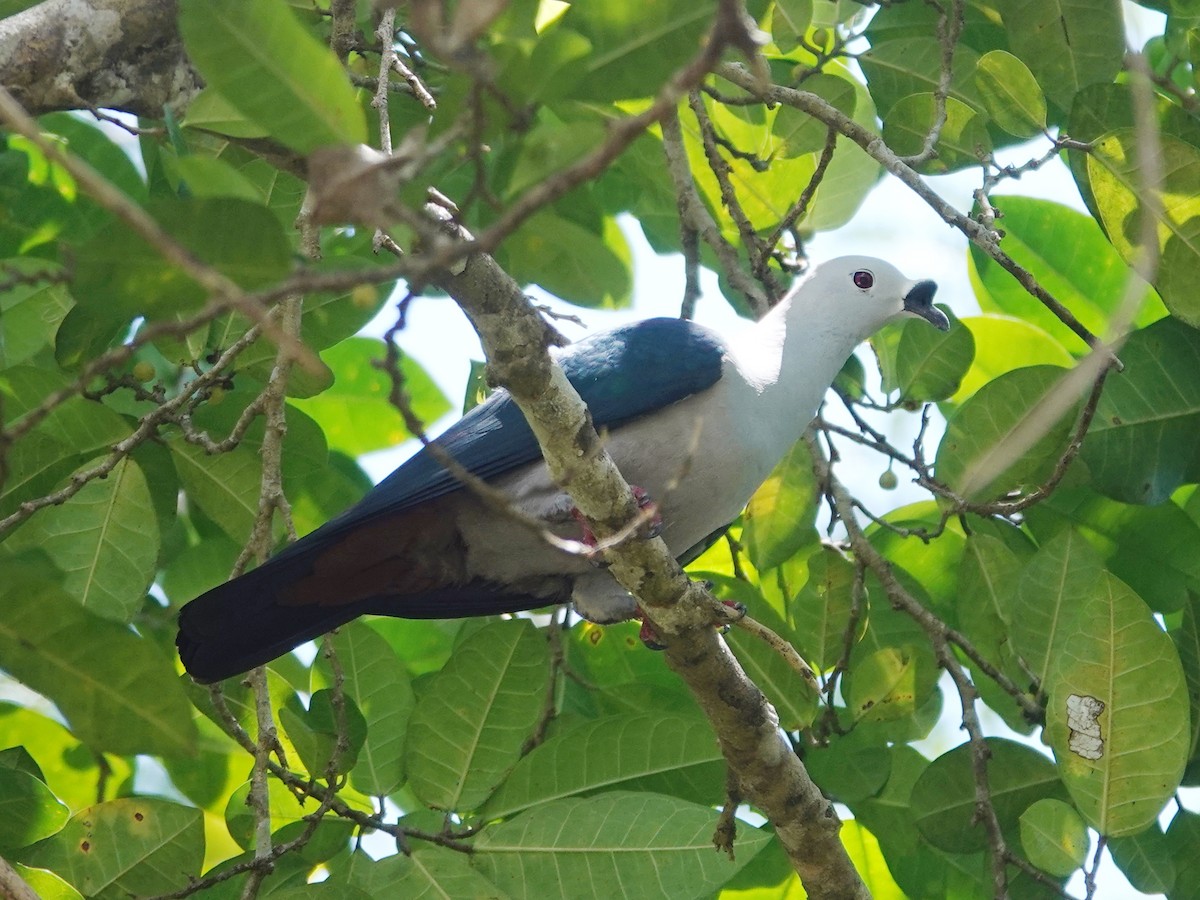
x,y
922,363
30,314
1102,108
70,769
28,809
356,414
1006,437
473,716
117,690
648,753
210,111
104,539
1146,860
1118,181
1066,44
1054,837
851,768
225,486
377,681
899,68
1010,94
943,798
963,140
1145,439
570,261
1187,643
636,47
427,871
1069,255
796,132
135,846
550,146
46,884
794,700
780,516
1118,670
614,845
789,22
317,731
1054,586
273,70
1183,837
820,611
119,276
1003,344
1150,548
988,577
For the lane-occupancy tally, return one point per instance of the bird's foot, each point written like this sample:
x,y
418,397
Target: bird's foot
x,y
654,523
648,636
651,528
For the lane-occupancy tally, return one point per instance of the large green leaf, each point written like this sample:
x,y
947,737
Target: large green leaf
x,y
1010,94
1067,44
820,611
118,691
1116,672
30,314
119,276
780,516
376,680
1187,643
426,871
104,539
1004,438
1054,586
224,486
635,46
1003,343
1070,257
135,846
273,70
1146,860
356,414
615,845
1145,439
944,800
901,67
1054,837
28,809
570,261
473,717
68,767
1118,180
921,363
963,140
652,753
1150,548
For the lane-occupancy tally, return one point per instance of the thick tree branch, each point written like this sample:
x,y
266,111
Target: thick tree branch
x,y
112,54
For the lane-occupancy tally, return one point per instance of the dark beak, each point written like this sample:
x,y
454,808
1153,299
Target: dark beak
x,y
919,301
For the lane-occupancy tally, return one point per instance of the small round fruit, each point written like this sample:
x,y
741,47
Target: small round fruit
x,y
144,372
888,480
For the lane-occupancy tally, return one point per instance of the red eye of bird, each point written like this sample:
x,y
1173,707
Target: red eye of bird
x,y
863,279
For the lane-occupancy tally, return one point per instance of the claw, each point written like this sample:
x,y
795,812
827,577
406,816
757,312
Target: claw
x,y
648,636
653,528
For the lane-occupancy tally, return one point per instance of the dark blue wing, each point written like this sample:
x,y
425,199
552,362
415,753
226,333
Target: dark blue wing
x,y
620,374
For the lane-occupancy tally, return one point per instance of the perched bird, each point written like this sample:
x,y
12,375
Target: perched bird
x,y
694,420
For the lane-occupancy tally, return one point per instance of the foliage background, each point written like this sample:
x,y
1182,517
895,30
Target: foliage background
x,y
156,340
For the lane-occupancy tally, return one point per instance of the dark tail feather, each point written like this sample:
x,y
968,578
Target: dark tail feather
x,y
240,624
